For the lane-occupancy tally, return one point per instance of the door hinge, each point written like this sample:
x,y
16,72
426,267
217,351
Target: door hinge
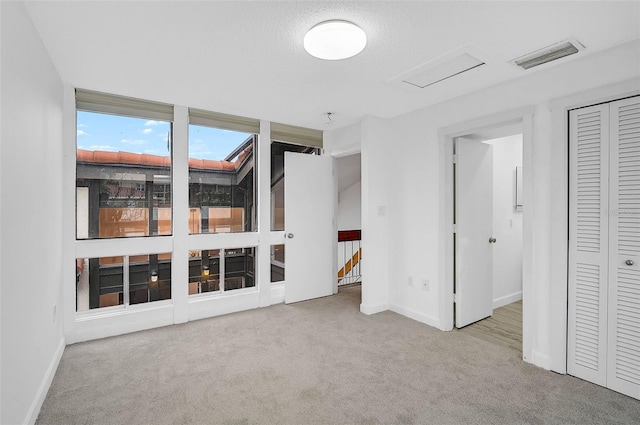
x,y
454,228
454,158
454,298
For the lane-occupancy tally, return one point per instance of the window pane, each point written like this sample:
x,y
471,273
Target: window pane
x,y
277,263
204,271
123,176
239,269
278,181
102,282
221,180
149,278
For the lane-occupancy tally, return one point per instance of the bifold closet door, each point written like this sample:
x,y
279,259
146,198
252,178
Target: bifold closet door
x,y
588,243
604,245
623,360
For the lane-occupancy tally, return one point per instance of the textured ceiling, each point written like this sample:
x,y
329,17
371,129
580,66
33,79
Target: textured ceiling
x,y
246,58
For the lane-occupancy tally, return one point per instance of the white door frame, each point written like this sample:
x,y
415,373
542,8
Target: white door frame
x,y
446,137
560,207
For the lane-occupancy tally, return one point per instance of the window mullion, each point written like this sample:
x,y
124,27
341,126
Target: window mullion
x,y
222,270
125,280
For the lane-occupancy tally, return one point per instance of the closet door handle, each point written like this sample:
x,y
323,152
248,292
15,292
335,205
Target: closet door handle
x,y
629,262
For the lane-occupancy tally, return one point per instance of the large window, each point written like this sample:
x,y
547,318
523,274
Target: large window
x,y
221,180
123,173
128,164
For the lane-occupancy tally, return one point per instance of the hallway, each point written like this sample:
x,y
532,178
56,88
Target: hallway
x,y
504,328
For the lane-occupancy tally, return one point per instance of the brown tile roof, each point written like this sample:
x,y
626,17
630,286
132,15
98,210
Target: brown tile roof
x,y
129,158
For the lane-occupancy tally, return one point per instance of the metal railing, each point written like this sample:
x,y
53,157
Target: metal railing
x,y
349,257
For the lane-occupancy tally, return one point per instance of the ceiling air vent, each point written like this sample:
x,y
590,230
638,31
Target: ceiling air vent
x,y
548,54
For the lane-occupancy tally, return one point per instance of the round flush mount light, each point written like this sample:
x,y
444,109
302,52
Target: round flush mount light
x,y
335,40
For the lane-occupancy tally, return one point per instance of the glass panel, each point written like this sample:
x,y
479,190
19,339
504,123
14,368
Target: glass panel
x,y
123,176
102,282
277,179
204,271
239,268
221,181
277,263
149,278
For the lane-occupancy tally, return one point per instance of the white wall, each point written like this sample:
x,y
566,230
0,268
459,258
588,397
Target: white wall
x,y
343,141
349,207
31,191
378,214
406,242
507,221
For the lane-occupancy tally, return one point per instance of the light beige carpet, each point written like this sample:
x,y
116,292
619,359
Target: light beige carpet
x,y
316,362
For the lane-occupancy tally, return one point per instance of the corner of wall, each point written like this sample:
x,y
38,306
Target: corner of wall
x,y
417,316
369,309
47,379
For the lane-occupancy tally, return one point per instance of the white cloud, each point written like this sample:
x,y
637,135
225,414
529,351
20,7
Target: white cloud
x,y
102,148
82,125
80,133
152,122
147,131
134,141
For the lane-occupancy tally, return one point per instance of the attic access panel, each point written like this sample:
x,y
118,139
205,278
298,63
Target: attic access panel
x,y
433,73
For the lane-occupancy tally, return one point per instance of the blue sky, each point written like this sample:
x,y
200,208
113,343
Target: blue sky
x,y
115,133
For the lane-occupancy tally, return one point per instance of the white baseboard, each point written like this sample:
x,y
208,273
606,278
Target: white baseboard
x,y
507,299
416,315
36,405
373,309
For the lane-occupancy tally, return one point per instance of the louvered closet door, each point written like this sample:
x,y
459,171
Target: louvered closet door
x,y
623,367
588,243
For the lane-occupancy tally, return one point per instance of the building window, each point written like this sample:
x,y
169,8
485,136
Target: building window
x,y
239,268
122,280
123,176
204,271
221,270
277,263
221,180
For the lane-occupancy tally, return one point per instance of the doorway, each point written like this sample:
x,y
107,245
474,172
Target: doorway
x,y
491,127
488,237
349,221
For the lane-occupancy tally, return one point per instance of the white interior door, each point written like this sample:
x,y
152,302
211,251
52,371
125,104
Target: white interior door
x,y
623,359
588,243
604,246
309,230
474,227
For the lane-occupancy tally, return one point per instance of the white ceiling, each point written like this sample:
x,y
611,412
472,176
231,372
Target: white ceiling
x,y
246,58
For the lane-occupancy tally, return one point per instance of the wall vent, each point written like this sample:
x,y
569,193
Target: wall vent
x,y
548,54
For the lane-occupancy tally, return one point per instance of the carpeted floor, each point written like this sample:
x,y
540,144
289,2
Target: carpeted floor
x,y
316,362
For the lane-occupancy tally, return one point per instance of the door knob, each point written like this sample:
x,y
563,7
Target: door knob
x,y
289,235
629,262
492,240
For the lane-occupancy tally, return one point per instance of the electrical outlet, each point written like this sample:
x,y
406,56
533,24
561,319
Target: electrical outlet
x,y
410,281
425,284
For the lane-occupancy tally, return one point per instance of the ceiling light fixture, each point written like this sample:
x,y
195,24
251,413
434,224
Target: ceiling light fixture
x,y
335,40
